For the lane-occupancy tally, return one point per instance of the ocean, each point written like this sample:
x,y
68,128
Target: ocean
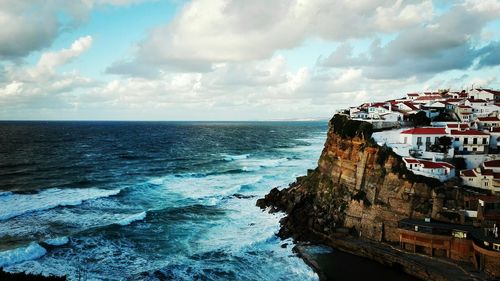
x,y
150,200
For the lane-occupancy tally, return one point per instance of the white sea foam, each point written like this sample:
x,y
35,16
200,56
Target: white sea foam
x,y
229,157
5,193
18,204
30,252
130,219
59,241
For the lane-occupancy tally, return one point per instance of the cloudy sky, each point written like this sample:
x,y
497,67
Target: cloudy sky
x,y
236,60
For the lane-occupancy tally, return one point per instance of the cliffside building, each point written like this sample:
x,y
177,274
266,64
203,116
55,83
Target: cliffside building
x,y
486,177
439,170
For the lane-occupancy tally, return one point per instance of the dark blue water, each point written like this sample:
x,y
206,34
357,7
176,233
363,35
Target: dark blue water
x,y
149,200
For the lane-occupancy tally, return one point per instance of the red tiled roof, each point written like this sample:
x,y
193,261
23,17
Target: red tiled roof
x,y
469,132
492,164
487,172
378,104
484,119
453,100
490,91
435,165
464,106
461,126
495,130
410,105
428,98
468,173
410,160
428,164
425,131
476,100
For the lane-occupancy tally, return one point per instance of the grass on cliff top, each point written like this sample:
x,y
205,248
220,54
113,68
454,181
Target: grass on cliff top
x,y
348,128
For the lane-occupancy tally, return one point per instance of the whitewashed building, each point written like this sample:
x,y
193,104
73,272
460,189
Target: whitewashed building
x,y
488,122
470,141
421,138
439,170
487,176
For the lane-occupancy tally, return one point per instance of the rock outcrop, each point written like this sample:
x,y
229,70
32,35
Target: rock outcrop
x,y
360,186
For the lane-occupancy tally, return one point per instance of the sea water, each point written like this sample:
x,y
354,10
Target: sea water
x,y
150,200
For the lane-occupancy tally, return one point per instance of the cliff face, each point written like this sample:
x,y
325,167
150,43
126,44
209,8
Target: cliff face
x,y
357,185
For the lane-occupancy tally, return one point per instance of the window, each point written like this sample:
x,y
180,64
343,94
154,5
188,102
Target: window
x,y
466,140
419,141
458,139
474,149
406,140
474,140
485,183
484,141
465,149
436,140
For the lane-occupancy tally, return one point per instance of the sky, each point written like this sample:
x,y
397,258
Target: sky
x,y
236,60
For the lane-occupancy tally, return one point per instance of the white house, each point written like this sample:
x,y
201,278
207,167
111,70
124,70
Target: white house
x,y
392,116
376,109
486,94
493,165
470,141
439,170
487,176
421,138
406,106
480,178
464,112
412,96
475,102
456,126
495,138
488,122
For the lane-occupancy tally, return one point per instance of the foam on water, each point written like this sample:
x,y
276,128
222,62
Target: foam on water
x,y
130,219
18,204
59,241
30,252
194,226
229,157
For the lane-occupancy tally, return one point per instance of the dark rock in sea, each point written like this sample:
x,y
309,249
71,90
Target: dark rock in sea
x,y
6,276
242,196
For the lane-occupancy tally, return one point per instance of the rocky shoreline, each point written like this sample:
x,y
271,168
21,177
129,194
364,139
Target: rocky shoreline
x,y
417,265
7,276
356,197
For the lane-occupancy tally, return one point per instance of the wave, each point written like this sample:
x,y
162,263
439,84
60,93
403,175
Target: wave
x,y
31,252
229,157
58,241
130,219
14,205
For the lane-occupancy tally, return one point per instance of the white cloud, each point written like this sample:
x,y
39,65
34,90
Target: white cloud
x,y
214,31
29,25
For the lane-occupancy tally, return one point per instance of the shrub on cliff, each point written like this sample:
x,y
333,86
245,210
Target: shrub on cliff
x,y
419,119
348,128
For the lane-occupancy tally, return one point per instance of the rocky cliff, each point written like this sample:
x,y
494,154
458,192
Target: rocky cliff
x,y
360,186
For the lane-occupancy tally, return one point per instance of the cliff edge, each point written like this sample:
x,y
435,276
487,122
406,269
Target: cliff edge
x,y
360,186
